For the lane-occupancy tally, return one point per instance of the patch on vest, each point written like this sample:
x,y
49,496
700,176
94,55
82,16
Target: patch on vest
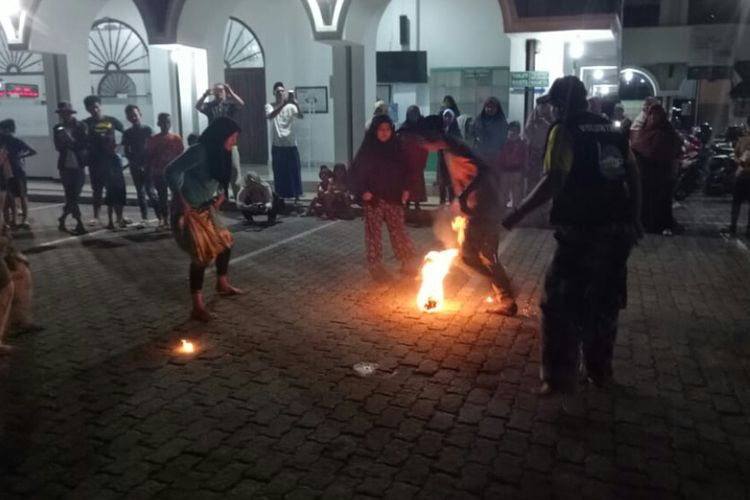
x,y
611,162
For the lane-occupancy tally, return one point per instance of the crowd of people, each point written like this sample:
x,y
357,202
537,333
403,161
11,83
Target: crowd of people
x,y
603,180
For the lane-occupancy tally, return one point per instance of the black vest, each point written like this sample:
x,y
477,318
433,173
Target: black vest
x,y
595,192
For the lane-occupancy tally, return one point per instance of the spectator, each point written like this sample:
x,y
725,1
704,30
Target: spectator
x,y
318,204
463,121
339,200
5,175
287,169
105,168
161,150
479,202
742,181
535,133
17,151
257,198
445,185
416,156
134,144
596,210
635,127
226,103
70,142
21,318
657,148
379,178
511,163
490,130
198,180
380,108
6,295
621,120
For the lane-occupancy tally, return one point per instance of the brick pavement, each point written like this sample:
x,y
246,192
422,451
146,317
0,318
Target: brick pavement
x,y
99,406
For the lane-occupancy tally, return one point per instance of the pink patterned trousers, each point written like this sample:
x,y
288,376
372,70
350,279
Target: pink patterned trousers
x,y
376,213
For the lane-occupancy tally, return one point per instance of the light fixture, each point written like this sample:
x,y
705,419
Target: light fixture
x,y
643,81
604,90
598,74
577,49
628,76
10,8
13,21
316,11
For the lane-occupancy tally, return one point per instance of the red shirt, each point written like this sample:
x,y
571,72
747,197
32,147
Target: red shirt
x,y
161,150
513,157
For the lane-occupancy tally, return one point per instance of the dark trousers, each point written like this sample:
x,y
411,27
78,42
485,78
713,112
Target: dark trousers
x,y
741,195
479,252
585,287
162,194
143,190
445,186
73,180
197,273
98,176
287,171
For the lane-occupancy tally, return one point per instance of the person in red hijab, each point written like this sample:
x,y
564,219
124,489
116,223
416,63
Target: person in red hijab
x,y
657,148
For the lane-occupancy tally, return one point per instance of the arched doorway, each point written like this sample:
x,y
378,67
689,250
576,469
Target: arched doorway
x,y
119,66
244,70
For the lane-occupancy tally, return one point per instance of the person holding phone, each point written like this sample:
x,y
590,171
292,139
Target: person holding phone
x,y
287,168
226,103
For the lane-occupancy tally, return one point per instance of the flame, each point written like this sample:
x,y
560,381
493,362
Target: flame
x,y
436,266
459,226
186,347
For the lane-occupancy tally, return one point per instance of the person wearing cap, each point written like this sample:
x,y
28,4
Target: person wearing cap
x,y
477,189
70,142
17,151
594,183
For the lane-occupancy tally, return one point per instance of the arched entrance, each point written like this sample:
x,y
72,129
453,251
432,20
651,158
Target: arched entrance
x,y
119,65
244,70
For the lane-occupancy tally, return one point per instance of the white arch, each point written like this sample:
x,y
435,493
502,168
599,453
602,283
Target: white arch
x,y
635,70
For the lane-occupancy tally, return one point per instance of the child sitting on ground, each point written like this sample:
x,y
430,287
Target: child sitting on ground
x,y
318,204
511,165
338,200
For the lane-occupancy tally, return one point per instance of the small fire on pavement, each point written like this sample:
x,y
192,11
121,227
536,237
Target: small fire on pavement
x,y
431,295
186,347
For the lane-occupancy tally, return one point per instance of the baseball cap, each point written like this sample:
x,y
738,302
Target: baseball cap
x,y
566,92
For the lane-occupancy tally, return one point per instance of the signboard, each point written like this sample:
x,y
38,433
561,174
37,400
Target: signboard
x,y
538,79
519,79
532,79
22,90
710,73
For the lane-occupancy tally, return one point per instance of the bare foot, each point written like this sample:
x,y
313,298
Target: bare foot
x,y
229,291
202,315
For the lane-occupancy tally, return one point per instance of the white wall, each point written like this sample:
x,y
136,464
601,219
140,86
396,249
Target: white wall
x,y
672,44
291,56
455,34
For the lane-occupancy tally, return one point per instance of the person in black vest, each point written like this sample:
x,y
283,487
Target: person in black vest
x,y
595,186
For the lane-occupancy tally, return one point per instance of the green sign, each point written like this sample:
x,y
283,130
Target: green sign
x,y
519,79
538,79
533,79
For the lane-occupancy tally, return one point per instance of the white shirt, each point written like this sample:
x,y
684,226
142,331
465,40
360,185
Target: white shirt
x,y
281,130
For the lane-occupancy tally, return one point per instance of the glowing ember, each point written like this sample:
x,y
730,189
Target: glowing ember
x,y
459,226
436,266
186,347
489,300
